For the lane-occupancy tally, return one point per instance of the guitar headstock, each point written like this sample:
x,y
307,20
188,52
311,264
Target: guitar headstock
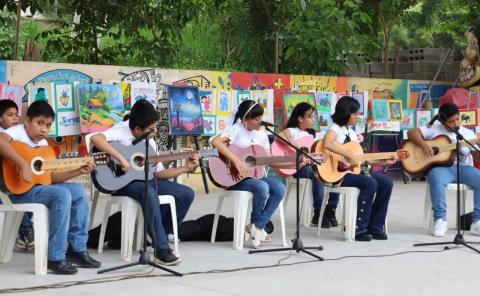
x,y
100,158
208,152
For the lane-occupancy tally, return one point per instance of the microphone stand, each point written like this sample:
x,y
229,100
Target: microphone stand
x,y
297,244
144,258
459,239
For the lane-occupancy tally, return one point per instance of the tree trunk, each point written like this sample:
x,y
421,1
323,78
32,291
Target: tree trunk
x,y
277,50
386,41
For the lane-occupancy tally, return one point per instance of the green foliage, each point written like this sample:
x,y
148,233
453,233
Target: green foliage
x,y
7,23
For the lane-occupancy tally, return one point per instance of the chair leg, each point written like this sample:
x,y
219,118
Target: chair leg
x,y
282,223
427,211
93,208
41,227
173,211
350,205
240,220
129,216
322,209
11,224
307,201
215,219
103,227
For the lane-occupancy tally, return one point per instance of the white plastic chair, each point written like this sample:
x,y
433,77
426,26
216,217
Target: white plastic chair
x,y
242,199
427,210
349,198
306,197
13,218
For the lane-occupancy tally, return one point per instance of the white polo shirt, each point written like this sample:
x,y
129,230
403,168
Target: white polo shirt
x,y
342,133
19,133
438,129
120,132
241,137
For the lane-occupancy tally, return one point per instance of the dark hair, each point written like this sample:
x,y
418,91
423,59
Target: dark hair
x,y
40,108
345,107
244,107
142,114
299,111
7,104
445,111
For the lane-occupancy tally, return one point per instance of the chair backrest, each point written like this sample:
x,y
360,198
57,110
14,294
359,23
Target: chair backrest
x,y
5,199
87,141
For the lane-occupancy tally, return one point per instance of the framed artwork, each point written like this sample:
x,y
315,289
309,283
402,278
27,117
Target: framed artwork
x,y
469,117
380,110
207,101
361,125
68,123
64,99
342,94
209,125
143,90
242,95
185,110
360,98
127,94
395,110
408,119
324,120
261,97
13,93
224,102
222,122
325,101
100,106
41,91
290,100
423,117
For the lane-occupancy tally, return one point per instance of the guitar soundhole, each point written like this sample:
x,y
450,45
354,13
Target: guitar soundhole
x,y
37,165
138,160
250,160
435,150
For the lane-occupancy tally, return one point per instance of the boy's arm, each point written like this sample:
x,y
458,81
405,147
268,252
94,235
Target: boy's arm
x,y
8,152
59,177
192,163
100,141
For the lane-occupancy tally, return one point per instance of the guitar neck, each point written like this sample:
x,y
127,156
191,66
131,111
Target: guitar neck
x,y
58,164
453,146
268,160
376,156
169,156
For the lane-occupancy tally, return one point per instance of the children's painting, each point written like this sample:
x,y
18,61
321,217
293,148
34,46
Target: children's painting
x,y
324,120
361,125
222,122
360,98
423,117
468,117
64,97
209,125
100,106
242,95
408,119
127,94
207,101
41,91
68,123
144,90
395,110
185,110
380,110
325,102
224,102
261,97
290,100
12,93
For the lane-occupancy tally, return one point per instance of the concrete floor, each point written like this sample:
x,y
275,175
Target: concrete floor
x,y
416,273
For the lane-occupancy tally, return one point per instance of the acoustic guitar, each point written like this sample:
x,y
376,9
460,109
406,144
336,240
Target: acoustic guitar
x,y
419,163
42,163
336,167
223,173
110,177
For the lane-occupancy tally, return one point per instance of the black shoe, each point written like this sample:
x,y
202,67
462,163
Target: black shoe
x,y
316,216
82,259
380,236
166,257
61,267
330,215
326,222
26,240
364,237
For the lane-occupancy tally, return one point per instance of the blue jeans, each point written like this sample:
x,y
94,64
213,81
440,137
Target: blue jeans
x,y
438,179
26,222
267,195
68,216
372,205
159,221
317,188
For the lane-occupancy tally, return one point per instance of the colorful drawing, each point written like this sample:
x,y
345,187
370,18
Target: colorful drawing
x,y
127,94
360,98
224,102
68,123
325,101
207,101
468,117
100,106
185,110
209,125
144,90
408,120
64,97
222,122
423,117
361,125
13,93
395,110
41,91
261,97
380,110
324,120
242,96
290,100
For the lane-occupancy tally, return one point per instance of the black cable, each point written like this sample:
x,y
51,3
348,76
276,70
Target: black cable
x,y
213,271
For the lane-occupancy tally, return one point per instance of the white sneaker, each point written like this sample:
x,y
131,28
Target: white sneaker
x,y
440,227
171,238
475,228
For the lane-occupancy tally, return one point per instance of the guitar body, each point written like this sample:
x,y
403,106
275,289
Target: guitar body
x,y
279,148
333,170
110,177
223,174
419,163
12,180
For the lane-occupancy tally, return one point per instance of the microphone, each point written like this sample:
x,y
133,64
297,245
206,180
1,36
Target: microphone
x,y
143,136
267,124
